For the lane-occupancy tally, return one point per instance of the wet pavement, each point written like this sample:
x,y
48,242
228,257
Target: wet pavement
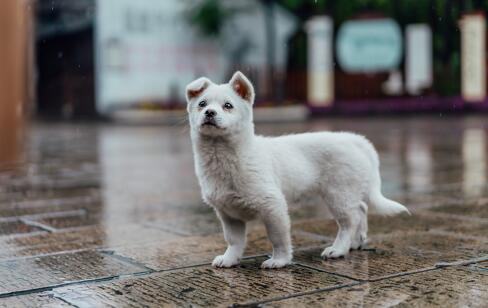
x,y
111,215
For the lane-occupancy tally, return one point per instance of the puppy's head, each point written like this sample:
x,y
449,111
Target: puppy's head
x,y
219,110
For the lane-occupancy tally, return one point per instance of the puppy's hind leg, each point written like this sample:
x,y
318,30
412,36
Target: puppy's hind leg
x,y
235,236
360,239
348,220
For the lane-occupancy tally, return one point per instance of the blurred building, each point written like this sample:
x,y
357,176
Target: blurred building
x,y
121,54
65,58
98,56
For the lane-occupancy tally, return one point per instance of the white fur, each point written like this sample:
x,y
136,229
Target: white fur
x,y
244,176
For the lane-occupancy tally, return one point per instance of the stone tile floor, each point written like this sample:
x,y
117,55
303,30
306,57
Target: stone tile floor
x,y
110,215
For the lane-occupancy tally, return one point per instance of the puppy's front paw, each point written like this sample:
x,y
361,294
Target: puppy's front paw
x,y
361,242
275,263
333,253
222,261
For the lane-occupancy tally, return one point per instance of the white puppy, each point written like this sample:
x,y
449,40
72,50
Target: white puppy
x,y
244,176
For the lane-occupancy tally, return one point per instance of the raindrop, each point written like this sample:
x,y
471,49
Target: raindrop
x,y
60,55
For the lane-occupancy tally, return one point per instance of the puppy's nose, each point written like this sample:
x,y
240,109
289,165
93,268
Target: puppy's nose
x,y
210,113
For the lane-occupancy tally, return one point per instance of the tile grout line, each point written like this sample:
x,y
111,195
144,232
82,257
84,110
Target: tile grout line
x,y
79,212
39,225
407,273
169,230
60,285
56,253
461,262
124,259
328,272
298,294
153,271
436,267
476,267
359,281
64,300
22,235
42,255
355,283
412,272
106,279
43,203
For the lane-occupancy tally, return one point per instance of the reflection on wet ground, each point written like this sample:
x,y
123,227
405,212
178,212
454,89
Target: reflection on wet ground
x,y
100,214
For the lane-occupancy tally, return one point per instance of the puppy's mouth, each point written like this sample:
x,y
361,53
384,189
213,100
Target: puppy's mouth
x,y
209,123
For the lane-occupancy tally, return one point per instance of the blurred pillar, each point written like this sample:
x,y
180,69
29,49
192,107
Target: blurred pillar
x,y
473,57
270,50
418,58
15,69
320,69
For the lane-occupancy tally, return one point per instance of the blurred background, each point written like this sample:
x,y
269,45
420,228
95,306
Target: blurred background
x,y
130,60
97,181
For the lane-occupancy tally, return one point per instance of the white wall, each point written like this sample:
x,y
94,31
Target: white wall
x,y
147,52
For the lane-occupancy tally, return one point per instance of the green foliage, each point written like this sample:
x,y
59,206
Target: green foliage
x,y
208,16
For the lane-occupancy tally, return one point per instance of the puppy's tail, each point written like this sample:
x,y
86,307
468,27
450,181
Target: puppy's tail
x,y
383,205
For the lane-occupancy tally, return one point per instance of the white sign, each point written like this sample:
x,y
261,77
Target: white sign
x,y
473,61
145,51
320,68
418,62
368,46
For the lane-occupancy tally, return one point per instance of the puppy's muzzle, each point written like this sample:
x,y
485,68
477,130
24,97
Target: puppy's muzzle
x,y
209,113
210,118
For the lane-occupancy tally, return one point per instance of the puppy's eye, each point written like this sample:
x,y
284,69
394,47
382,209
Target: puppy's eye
x,y
202,104
228,105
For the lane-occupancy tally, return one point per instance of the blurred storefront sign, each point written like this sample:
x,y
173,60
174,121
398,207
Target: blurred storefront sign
x,y
418,58
320,69
369,46
473,57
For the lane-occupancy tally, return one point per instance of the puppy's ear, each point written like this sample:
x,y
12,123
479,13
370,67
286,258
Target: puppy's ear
x,y
242,86
196,88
